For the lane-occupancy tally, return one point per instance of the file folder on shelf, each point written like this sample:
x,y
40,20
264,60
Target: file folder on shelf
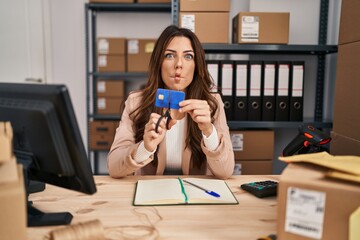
x,y
254,91
227,87
296,91
282,92
268,91
213,68
241,88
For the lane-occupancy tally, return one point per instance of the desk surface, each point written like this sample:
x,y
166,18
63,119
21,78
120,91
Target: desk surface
x,y
112,205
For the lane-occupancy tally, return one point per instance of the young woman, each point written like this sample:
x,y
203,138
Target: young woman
x,y
196,140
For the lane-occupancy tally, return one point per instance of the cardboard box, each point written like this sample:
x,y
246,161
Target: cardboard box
x,y
109,105
8,171
343,145
154,1
110,88
253,144
254,167
102,127
6,141
261,27
139,53
349,21
347,86
204,5
101,141
199,23
311,206
111,63
111,46
13,217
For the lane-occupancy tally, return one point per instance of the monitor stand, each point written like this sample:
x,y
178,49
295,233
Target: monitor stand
x,y
36,217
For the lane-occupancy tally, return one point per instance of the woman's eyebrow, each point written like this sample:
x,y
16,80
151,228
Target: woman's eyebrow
x,y
186,51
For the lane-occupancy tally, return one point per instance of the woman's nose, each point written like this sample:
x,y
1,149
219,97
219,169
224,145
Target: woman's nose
x,y
178,62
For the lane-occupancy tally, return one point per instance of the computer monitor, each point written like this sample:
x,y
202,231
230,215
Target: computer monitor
x,y
47,141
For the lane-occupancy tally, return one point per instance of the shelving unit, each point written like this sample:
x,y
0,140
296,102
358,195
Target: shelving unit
x,y
319,51
91,12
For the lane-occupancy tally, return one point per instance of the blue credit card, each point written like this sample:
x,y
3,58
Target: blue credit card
x,y
169,98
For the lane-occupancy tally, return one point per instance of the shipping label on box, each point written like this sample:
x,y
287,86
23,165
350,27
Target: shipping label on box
x,y
250,29
237,140
305,212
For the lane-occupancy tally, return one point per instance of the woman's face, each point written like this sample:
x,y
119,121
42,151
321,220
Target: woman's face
x,y
178,66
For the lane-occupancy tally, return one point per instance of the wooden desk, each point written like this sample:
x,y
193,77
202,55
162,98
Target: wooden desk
x,y
112,205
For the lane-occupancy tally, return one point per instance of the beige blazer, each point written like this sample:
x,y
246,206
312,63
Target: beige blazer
x,y
120,162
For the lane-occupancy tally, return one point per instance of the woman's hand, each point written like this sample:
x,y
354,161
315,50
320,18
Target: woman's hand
x,y
199,111
152,138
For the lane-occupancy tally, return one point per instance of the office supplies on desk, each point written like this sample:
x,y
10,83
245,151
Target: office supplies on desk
x,y
261,189
212,193
172,191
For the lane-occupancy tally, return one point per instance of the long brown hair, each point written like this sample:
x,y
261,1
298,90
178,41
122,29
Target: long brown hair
x,y
199,88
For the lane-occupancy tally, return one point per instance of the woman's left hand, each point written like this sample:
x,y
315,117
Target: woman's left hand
x,y
199,111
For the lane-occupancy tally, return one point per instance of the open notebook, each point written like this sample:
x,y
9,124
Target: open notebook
x,y
174,191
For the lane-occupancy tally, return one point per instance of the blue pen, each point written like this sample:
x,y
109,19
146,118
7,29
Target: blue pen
x,y
212,193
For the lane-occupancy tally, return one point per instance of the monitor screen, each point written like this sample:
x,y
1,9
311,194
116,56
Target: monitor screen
x,y
47,139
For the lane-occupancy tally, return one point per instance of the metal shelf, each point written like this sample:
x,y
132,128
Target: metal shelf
x,y
126,76
130,7
270,49
105,117
240,125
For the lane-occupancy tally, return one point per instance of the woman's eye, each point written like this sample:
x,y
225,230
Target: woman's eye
x,y
189,57
169,55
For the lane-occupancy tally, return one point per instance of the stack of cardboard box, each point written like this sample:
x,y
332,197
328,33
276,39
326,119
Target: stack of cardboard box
x,y
254,151
110,93
111,54
102,134
208,19
138,54
346,127
12,193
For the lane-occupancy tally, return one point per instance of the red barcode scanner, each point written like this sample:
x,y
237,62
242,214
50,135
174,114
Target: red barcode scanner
x,y
308,140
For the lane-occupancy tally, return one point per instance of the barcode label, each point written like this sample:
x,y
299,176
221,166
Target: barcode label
x,y
305,210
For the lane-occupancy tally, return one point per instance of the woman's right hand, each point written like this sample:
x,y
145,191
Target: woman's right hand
x,y
152,138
